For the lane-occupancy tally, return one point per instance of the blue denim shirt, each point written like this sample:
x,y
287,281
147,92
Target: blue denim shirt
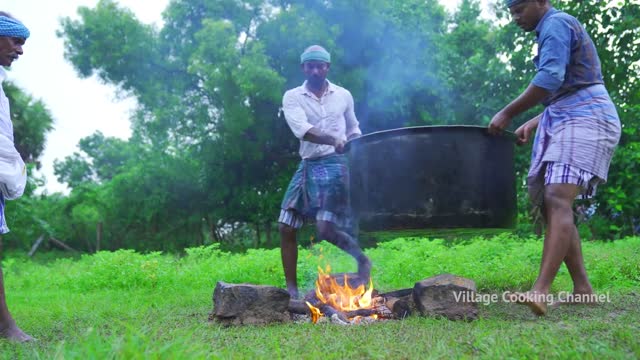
x,y
567,59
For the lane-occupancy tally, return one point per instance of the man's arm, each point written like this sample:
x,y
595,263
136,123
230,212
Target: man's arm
x,y
316,135
526,130
532,96
555,52
300,126
295,115
352,124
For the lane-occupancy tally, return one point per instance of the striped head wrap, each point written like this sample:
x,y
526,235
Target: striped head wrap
x,y
13,28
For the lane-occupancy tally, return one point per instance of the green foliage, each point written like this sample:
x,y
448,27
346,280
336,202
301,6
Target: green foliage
x,y
31,123
27,217
513,262
211,154
129,305
125,56
105,158
74,170
224,67
615,32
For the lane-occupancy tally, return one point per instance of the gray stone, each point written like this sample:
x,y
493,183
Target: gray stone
x,y
247,304
447,296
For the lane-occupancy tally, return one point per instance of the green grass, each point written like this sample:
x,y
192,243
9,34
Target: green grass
x,y
126,305
447,234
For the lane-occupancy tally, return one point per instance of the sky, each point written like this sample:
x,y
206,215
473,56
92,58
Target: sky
x,y
79,107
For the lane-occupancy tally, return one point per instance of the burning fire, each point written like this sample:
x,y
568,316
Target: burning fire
x,y
342,298
315,313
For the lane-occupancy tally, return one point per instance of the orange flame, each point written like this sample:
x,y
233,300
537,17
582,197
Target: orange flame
x,y
342,297
315,312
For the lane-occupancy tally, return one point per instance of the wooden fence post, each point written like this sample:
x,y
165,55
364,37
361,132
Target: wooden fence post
x,y
98,235
35,245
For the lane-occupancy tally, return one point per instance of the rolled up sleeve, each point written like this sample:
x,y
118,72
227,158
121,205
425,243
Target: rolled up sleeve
x,y
295,115
352,124
554,49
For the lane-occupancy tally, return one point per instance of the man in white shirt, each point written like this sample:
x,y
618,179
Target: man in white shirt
x,y
13,35
320,114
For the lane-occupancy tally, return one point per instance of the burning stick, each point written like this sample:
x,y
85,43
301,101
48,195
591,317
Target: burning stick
x,y
360,312
319,309
315,313
343,298
380,312
334,314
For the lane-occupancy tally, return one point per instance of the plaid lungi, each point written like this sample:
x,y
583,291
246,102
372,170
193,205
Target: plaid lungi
x,y
319,186
580,130
557,173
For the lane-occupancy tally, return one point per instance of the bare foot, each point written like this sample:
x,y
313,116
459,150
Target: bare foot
x,y
13,333
293,293
537,302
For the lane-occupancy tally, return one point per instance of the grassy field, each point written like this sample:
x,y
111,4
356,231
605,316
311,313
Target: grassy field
x,y
126,305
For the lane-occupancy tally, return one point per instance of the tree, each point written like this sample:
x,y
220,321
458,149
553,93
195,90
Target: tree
x,y
209,145
31,123
101,159
220,69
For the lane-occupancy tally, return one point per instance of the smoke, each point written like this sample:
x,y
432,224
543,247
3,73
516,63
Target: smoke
x,y
388,61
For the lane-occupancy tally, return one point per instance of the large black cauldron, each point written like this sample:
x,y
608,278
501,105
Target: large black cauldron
x,y
433,177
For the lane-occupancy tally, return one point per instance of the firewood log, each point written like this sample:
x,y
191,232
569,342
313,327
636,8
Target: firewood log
x,y
399,302
360,312
298,307
330,312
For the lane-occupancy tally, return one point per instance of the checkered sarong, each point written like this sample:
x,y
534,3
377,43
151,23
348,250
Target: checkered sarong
x,y
318,190
557,173
581,130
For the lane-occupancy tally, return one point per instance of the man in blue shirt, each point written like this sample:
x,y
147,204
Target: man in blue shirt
x,y
575,138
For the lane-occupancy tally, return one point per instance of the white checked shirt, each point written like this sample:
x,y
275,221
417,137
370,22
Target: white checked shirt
x,y
332,113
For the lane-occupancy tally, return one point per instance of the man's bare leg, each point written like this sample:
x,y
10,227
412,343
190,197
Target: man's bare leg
x,y
329,231
559,239
289,254
575,264
8,328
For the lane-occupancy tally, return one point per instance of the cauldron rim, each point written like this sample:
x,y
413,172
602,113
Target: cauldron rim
x,y
422,129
